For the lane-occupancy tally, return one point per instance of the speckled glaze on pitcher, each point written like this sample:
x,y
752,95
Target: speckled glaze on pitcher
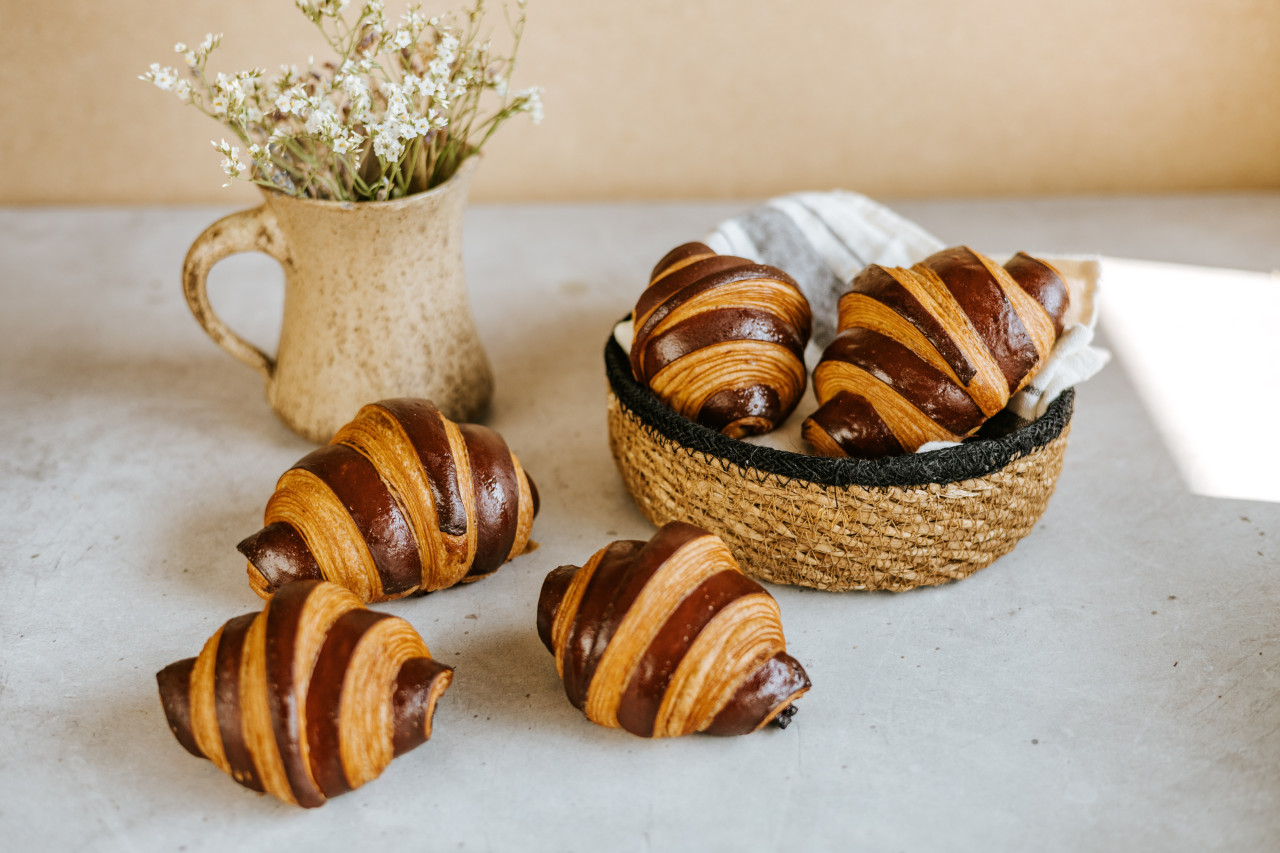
x,y
375,304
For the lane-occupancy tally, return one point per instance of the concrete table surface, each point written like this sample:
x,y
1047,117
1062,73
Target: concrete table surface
x,y
1111,684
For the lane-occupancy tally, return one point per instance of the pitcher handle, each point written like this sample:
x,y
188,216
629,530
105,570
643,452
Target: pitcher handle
x,y
252,230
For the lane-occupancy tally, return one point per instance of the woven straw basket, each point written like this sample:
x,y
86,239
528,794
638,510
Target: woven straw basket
x,y
837,524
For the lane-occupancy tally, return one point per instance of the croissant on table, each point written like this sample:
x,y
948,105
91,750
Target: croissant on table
x,y
929,353
403,500
721,340
308,699
669,637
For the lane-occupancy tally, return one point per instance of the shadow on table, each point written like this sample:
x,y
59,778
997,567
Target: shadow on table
x,y
127,761
507,679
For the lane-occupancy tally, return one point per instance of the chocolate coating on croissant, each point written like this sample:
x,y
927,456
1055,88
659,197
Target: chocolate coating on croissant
x,y
413,703
424,425
307,699
721,340
744,411
284,617
1044,283
643,697
850,421
175,697
974,286
323,732
493,481
226,689
668,637
876,283
681,254
760,697
931,352
728,324
622,572
933,392
368,500
553,589
280,555
403,501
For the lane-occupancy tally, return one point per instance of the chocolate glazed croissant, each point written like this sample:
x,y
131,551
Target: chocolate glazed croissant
x,y
721,340
668,637
929,353
403,500
308,699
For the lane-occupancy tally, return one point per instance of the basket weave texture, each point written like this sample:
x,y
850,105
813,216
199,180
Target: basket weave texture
x,y
837,524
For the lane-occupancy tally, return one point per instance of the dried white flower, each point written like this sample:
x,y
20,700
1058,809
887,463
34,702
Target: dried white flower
x,y
210,42
449,46
413,21
439,71
343,144
231,164
355,86
361,108
386,141
323,121
306,132
292,101
228,94
163,78
397,105
530,101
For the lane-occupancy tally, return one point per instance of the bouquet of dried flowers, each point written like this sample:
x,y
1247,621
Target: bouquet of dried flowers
x,y
397,111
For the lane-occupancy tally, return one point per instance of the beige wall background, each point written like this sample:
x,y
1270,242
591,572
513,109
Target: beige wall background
x,y
719,98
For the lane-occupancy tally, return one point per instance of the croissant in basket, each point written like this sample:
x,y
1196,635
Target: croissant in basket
x,y
669,637
721,340
929,353
403,500
308,699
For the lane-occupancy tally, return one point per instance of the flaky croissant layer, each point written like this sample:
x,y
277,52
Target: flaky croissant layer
x,y
403,500
931,352
668,637
308,699
721,340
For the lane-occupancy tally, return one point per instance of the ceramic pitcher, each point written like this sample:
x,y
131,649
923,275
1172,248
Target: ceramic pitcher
x,y
375,304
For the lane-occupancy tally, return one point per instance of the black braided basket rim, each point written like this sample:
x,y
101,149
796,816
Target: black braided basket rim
x,y
976,457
